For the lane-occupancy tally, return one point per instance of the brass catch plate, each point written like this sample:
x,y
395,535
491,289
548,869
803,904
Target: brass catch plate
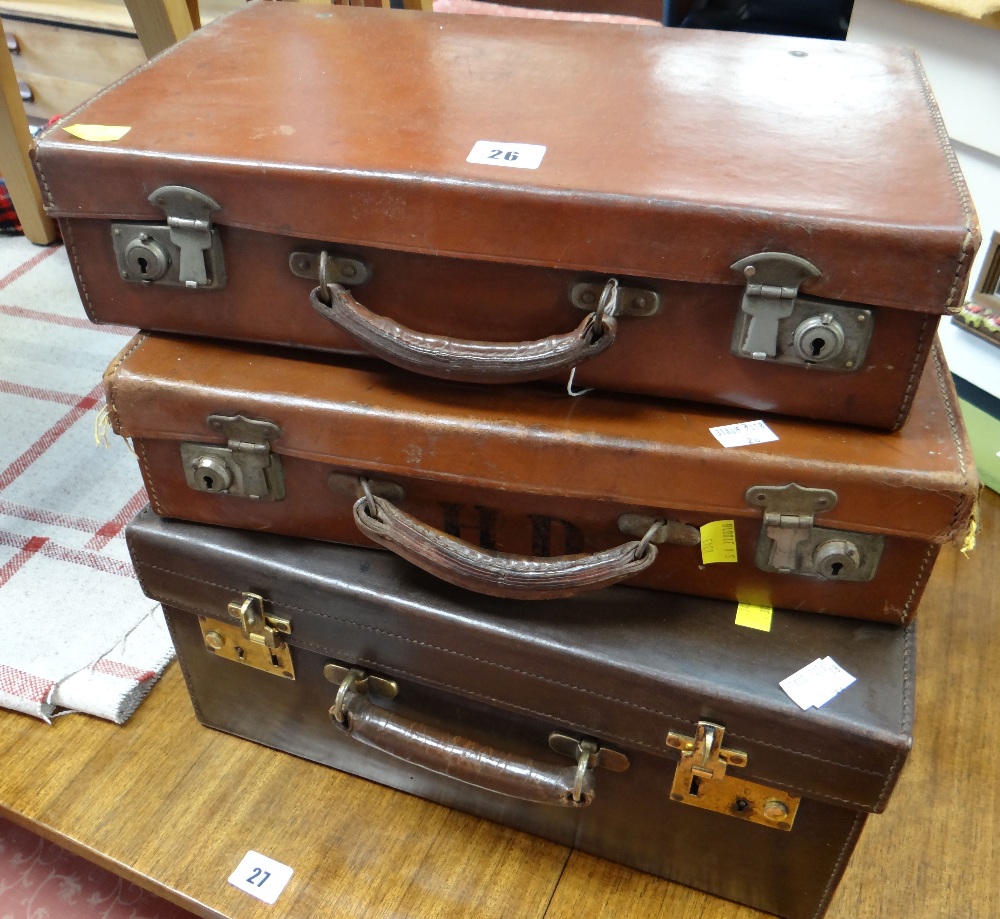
x,y
228,641
702,780
632,301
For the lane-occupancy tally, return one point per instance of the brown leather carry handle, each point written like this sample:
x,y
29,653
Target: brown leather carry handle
x,y
457,757
515,577
469,361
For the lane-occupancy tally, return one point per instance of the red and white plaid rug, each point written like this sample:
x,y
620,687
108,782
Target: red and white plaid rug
x,y
79,634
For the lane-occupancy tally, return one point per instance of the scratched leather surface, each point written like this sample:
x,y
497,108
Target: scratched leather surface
x,y
670,154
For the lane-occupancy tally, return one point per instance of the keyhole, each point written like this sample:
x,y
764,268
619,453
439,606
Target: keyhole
x,y
143,265
835,569
695,785
816,346
208,482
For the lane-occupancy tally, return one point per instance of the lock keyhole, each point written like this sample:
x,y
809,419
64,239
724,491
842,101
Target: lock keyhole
x,y
143,266
695,785
211,474
208,482
835,569
817,345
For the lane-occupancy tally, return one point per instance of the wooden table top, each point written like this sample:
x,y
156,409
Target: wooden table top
x,y
174,807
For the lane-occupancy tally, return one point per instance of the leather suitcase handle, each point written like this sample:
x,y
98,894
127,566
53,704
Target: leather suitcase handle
x,y
515,577
469,361
457,757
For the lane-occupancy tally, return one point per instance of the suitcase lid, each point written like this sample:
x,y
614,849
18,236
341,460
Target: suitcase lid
x,y
621,665
668,153
365,418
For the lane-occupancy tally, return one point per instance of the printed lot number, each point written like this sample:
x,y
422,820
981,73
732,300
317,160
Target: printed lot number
x,y
260,876
497,153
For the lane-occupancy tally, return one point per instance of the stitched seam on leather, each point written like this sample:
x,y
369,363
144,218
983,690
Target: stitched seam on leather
x,y
70,241
154,499
903,718
479,660
923,572
957,179
918,363
828,890
956,437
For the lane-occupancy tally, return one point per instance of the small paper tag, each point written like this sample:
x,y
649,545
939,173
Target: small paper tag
x,y
261,877
97,132
496,153
754,617
718,542
743,434
816,683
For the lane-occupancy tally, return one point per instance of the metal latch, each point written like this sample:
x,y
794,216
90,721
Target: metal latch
x,y
791,543
256,641
630,301
701,780
776,323
340,269
184,252
588,755
244,467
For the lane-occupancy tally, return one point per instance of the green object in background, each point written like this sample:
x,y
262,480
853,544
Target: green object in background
x,y
984,434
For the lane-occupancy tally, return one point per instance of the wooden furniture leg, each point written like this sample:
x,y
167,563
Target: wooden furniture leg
x,y
161,23
15,140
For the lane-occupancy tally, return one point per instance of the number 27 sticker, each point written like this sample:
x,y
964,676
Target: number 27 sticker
x,y
495,153
260,876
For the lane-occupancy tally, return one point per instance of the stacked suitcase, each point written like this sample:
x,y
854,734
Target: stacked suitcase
x,y
724,392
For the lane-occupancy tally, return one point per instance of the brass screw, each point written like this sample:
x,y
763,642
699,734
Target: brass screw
x,y
775,810
214,640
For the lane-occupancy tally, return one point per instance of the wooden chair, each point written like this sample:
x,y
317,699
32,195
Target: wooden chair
x,y
15,167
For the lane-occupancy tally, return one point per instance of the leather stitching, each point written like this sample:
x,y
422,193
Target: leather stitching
x,y
412,641
923,573
918,362
957,179
852,837
956,438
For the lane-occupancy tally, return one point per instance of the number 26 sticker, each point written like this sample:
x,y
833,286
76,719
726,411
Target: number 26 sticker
x,y
495,153
260,876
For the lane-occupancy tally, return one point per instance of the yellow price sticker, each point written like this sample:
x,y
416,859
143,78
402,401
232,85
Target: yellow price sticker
x,y
754,617
100,133
718,542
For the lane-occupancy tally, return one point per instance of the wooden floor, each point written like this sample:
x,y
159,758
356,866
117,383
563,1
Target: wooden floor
x,y
175,807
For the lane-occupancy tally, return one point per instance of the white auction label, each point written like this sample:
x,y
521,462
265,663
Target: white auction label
x,y
261,877
816,683
496,153
743,434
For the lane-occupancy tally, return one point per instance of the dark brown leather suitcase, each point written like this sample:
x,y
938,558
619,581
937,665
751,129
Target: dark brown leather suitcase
x,y
643,727
521,492
783,217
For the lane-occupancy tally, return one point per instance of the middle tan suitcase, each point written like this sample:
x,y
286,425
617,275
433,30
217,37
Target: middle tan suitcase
x,y
525,493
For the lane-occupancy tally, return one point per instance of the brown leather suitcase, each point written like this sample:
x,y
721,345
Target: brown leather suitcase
x,y
643,727
521,492
783,217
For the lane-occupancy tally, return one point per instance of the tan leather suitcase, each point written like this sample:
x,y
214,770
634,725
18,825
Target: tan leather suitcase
x,y
524,493
759,221
645,728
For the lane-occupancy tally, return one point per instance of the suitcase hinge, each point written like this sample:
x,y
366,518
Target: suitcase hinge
x,y
776,323
701,780
791,543
244,468
256,641
186,252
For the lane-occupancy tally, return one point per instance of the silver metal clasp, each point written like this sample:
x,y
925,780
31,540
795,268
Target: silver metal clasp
x,y
184,252
776,323
791,543
244,468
